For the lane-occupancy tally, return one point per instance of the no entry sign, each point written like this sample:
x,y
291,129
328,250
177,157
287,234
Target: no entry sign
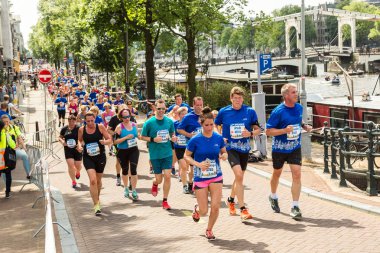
x,y
45,76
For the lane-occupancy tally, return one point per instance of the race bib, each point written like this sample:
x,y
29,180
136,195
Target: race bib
x,y
164,134
198,130
236,130
211,171
93,149
295,133
81,96
71,143
61,104
181,140
108,118
72,110
132,142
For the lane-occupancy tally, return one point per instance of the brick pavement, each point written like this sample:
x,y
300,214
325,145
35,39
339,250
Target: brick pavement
x,y
144,226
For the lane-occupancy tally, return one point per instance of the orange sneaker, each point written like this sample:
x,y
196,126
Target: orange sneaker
x,y
231,206
245,215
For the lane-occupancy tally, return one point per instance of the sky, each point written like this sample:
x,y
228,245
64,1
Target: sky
x,y
27,9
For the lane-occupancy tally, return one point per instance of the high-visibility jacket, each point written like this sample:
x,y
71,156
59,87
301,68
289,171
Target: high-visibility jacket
x,y
4,140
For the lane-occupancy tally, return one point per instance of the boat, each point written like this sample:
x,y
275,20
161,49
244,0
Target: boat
x,y
335,80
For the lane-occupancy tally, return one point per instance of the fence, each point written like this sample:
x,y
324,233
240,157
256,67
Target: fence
x,y
347,145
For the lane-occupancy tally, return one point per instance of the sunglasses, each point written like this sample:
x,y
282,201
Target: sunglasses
x,y
72,118
161,109
126,117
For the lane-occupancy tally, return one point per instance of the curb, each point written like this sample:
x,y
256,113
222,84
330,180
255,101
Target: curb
x,y
312,193
68,242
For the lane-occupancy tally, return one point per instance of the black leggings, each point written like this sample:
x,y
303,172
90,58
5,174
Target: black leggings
x,y
126,157
8,179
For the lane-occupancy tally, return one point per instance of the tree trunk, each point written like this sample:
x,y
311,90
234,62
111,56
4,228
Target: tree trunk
x,y
149,52
191,66
108,83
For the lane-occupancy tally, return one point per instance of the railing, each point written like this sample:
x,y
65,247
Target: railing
x,y
348,145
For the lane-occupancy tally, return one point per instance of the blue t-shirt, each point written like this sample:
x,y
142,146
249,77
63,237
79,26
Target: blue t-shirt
x,y
206,148
100,106
118,102
74,85
80,94
5,113
98,120
183,104
61,103
190,123
181,139
281,117
92,96
233,123
85,103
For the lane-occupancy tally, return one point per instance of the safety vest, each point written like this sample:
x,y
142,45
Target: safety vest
x,y
3,145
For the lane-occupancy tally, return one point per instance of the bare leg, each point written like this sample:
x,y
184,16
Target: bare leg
x,y
216,197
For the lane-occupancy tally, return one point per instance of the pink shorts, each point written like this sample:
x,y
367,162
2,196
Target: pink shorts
x,y
205,184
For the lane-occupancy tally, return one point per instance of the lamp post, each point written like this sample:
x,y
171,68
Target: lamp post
x,y
306,143
124,14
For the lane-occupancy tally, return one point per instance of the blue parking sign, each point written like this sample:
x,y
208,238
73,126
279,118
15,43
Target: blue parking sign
x,y
265,62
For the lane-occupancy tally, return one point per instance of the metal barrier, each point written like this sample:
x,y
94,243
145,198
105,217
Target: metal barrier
x,y
48,225
350,145
43,140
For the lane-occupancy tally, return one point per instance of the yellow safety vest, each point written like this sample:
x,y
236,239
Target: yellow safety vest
x,y
3,145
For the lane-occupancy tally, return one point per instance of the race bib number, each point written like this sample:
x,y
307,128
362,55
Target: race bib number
x,y
236,130
72,110
295,133
71,143
108,118
132,142
211,171
81,96
61,104
181,140
93,149
164,134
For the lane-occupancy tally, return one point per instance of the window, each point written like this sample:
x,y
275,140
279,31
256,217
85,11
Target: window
x,y
371,116
339,118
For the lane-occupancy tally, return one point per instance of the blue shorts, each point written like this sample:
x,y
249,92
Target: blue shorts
x,y
162,164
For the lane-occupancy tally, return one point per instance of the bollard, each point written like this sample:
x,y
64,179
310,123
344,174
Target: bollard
x,y
326,148
37,132
371,181
342,181
347,148
333,154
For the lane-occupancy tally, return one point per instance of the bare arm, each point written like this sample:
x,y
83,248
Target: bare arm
x,y
107,138
183,132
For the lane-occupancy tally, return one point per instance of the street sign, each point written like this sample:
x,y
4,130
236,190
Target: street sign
x,y
44,76
265,62
65,59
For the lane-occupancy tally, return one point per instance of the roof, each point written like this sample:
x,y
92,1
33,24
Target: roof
x,y
373,103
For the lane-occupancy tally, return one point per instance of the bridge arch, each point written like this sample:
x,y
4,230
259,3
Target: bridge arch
x,y
352,23
289,24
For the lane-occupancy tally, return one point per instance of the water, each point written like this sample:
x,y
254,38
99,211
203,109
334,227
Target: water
x,y
318,85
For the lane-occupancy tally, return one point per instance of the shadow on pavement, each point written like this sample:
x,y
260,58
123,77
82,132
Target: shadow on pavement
x,y
275,224
330,223
240,245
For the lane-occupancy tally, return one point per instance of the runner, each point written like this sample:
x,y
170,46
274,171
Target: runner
x,y
180,147
95,111
157,131
179,102
81,115
190,126
237,121
207,148
68,137
73,107
285,125
114,122
128,152
133,111
61,102
93,137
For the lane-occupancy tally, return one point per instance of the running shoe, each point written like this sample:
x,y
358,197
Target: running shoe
x,y
186,189
126,192
196,216
231,207
165,205
295,213
210,235
134,195
97,209
154,190
151,170
74,184
173,171
7,195
274,204
118,181
77,175
245,215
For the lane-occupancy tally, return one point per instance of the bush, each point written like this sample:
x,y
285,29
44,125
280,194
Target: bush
x,y
217,95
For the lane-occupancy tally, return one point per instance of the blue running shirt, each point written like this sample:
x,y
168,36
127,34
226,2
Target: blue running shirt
x,y
190,123
281,117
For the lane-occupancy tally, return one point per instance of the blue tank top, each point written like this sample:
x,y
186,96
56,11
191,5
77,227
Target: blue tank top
x,y
130,143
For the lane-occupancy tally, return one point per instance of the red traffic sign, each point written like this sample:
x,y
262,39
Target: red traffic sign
x,y
65,58
45,76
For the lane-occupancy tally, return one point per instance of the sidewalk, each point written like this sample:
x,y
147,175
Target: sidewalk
x,y
143,226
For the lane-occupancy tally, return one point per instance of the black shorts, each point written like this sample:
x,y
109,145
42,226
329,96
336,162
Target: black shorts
x,y
279,159
72,153
237,158
180,152
95,162
61,114
172,143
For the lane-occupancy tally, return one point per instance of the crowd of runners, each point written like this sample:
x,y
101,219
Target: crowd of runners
x,y
194,137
